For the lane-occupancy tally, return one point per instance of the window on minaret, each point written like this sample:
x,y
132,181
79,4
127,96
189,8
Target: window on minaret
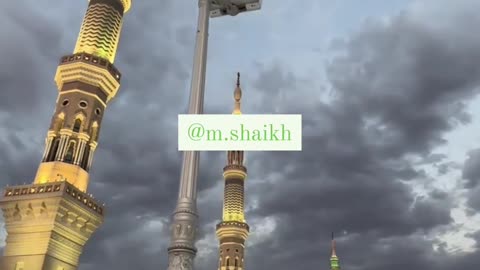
x,y
95,133
53,150
236,262
228,262
77,125
86,154
69,155
58,124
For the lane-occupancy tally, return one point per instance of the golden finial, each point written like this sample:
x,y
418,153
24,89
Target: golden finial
x,y
237,95
334,251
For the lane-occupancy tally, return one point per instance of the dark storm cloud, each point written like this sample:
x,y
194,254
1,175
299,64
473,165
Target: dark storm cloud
x,y
444,168
471,169
471,176
474,200
399,88
28,38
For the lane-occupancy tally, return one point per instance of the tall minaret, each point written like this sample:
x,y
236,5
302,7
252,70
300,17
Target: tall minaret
x,y
334,264
49,221
232,231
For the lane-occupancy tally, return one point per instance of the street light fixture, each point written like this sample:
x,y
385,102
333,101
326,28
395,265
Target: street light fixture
x,y
182,251
233,7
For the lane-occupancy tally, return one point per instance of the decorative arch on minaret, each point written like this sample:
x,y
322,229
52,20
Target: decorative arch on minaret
x,y
77,125
94,131
53,139
58,122
227,262
69,154
79,122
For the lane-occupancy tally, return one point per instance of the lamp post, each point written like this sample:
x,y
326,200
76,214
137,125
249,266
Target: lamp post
x,y
182,251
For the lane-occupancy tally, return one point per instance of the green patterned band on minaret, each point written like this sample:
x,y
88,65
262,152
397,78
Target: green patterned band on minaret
x,y
334,264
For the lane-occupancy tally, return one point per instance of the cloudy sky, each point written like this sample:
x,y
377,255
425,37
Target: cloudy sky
x,y
388,91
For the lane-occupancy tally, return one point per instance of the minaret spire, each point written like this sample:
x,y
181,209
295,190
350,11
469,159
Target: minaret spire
x,y
232,231
49,221
237,94
334,252
334,263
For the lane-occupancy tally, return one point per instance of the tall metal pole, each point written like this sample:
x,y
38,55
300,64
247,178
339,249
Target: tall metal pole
x,y
182,251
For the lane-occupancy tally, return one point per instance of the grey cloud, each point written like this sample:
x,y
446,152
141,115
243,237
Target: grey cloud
x,y
473,200
396,96
471,169
471,176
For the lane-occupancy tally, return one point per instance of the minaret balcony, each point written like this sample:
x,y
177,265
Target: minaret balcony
x,y
233,167
234,229
52,219
52,189
234,171
241,225
90,69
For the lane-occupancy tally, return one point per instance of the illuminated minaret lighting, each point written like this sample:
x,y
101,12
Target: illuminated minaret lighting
x,y
232,231
49,221
334,263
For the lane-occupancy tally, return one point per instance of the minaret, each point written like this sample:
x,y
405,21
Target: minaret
x,y
334,264
49,221
232,231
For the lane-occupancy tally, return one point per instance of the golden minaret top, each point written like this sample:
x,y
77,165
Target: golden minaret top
x,y
237,94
